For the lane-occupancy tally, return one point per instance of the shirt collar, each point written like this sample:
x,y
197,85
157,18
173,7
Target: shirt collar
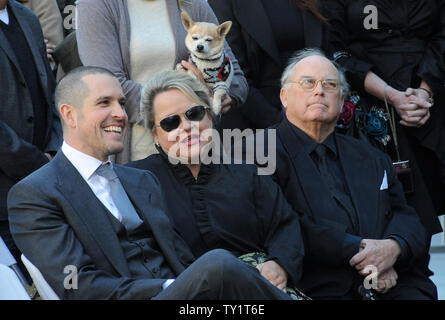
x,y
4,16
310,144
84,163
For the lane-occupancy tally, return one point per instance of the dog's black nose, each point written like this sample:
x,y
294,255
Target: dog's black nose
x,y
200,47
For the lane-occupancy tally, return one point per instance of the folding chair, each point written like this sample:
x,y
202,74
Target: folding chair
x,y
44,289
7,259
10,286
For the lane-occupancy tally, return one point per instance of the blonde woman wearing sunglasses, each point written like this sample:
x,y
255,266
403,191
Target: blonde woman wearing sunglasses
x,y
216,205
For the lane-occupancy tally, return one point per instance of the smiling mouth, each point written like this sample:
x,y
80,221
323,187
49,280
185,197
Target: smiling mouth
x,y
113,129
191,139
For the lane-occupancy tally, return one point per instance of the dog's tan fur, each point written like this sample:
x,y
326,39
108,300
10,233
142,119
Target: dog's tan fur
x,y
205,41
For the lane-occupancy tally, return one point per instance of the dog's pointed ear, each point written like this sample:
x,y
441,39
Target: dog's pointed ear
x,y
224,28
186,20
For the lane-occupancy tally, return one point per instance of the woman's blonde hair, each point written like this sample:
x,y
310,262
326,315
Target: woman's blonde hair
x,y
167,80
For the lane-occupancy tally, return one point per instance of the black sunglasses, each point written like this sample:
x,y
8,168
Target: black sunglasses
x,y
172,122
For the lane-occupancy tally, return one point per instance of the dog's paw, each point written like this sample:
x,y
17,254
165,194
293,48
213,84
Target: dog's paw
x,y
216,104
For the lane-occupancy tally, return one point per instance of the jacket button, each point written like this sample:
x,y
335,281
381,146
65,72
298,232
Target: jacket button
x,y
30,119
155,270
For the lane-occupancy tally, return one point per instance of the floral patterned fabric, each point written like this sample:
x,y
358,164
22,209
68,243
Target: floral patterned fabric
x,y
256,258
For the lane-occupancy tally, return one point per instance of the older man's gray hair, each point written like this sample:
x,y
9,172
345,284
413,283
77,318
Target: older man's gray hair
x,y
308,52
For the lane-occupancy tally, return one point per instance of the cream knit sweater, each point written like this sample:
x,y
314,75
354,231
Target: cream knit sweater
x,y
152,49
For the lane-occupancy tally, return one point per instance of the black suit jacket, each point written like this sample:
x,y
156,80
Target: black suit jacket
x,y
18,156
253,44
56,221
381,211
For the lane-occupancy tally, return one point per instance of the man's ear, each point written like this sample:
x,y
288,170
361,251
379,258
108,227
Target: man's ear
x,y
283,97
69,115
224,28
187,21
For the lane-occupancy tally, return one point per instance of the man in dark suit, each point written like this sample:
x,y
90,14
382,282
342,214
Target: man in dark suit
x,y
107,222
29,126
354,215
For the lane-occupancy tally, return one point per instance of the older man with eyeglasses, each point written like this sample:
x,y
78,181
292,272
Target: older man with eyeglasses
x,y
362,239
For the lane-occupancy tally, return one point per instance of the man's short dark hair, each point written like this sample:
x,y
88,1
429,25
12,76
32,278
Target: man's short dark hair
x,y
72,90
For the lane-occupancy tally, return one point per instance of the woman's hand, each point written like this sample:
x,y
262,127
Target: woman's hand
x,y
411,106
273,272
184,66
226,103
49,51
425,97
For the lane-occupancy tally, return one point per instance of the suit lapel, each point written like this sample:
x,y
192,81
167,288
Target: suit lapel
x,y
362,180
4,45
91,211
33,46
149,206
251,13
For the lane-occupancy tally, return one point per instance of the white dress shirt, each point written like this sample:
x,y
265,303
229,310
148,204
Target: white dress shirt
x,y
87,166
152,49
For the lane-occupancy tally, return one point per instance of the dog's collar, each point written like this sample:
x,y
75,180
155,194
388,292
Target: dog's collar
x,y
215,74
210,60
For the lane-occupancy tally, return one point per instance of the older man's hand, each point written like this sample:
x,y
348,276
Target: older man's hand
x,y
386,281
382,254
273,272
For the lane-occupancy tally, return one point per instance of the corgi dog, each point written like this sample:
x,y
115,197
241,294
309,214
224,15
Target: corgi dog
x,y
205,42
